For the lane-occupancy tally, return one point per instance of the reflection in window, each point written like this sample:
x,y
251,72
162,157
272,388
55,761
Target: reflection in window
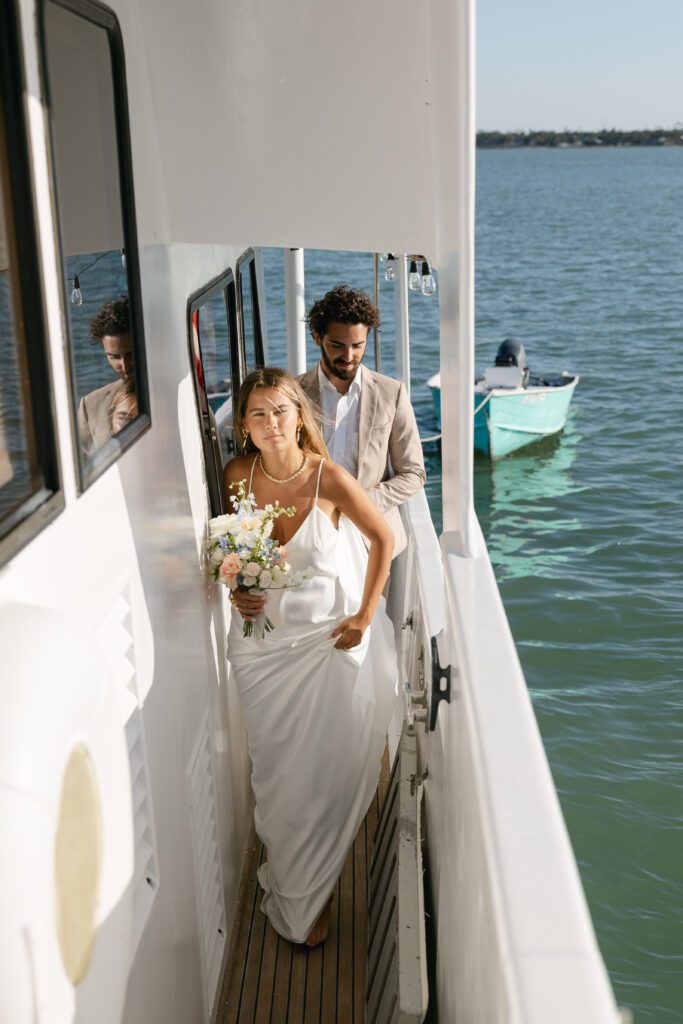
x,y
103,328
108,356
251,325
20,475
19,472
30,492
213,337
212,324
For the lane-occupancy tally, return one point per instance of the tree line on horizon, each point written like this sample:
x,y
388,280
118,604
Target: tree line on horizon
x,y
605,137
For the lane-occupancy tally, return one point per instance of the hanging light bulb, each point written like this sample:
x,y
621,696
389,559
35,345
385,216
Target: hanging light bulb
x,y
428,284
124,264
414,282
390,272
76,293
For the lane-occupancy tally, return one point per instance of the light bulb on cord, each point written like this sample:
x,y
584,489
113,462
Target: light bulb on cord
x,y
76,293
390,272
428,284
123,259
414,282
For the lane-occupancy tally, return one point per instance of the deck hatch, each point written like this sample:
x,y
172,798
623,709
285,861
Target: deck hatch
x,y
397,966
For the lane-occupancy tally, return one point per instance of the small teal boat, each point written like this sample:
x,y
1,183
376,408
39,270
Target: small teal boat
x,y
513,407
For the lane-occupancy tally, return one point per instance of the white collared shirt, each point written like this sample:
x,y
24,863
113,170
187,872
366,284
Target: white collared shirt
x,y
340,420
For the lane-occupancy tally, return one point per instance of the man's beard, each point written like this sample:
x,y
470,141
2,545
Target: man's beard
x,y
337,371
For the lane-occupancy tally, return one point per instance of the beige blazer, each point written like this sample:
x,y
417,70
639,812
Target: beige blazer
x,y
390,462
94,427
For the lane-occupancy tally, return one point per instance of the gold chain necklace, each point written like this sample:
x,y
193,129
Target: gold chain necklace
x,y
287,478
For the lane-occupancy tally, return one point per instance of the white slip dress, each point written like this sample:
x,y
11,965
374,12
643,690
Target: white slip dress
x,y
316,719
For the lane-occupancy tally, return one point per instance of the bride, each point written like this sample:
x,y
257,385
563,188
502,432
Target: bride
x,y
318,690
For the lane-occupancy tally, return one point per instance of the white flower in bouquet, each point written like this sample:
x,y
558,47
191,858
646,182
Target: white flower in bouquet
x,y
241,554
216,558
221,525
248,539
279,578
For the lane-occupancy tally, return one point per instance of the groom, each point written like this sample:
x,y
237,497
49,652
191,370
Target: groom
x,y
367,420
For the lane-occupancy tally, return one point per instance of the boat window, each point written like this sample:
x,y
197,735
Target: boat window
x,y
249,311
214,353
86,94
29,481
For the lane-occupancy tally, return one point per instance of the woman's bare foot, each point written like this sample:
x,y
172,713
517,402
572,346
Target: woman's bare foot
x,y
320,929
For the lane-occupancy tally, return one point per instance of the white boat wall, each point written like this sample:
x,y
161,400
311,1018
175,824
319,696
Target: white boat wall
x,y
124,776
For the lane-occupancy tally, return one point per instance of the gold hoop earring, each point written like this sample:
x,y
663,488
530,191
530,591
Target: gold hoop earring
x,y
298,434
245,436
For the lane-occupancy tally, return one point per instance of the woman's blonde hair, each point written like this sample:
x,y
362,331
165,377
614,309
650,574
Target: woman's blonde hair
x,y
122,391
310,437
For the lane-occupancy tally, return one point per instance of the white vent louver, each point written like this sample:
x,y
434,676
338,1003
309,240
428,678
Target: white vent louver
x,y
115,636
207,868
397,965
146,877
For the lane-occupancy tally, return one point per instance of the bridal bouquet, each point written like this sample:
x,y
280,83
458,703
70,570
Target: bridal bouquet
x,y
241,554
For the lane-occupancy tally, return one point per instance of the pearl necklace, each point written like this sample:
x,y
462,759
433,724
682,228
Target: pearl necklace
x,y
287,478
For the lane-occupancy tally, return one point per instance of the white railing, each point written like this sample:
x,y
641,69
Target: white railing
x,y
515,942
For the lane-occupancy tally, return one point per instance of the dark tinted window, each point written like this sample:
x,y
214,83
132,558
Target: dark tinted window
x,y
215,363
28,467
20,475
249,311
87,99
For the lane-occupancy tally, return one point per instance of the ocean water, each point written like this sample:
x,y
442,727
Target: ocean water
x,y
580,256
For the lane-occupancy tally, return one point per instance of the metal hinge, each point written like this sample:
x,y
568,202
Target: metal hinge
x,y
417,704
417,779
417,698
441,685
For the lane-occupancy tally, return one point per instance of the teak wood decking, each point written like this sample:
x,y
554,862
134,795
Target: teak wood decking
x,y
270,980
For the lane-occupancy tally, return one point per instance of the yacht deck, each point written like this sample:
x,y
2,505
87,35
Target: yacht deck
x,y
270,979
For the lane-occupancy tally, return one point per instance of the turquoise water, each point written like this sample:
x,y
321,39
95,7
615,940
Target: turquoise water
x,y
580,255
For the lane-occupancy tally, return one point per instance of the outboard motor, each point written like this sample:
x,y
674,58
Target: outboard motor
x,y
511,353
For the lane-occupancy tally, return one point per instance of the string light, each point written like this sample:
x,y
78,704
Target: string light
x,y
428,283
76,293
422,281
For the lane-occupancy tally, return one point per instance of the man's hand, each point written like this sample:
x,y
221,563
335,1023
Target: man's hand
x,y
248,603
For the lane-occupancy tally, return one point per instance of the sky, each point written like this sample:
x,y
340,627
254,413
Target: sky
x,y
579,64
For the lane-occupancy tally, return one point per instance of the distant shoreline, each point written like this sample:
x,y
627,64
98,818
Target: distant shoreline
x,y
579,140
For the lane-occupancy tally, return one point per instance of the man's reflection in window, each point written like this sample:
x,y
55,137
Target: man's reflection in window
x,y
110,328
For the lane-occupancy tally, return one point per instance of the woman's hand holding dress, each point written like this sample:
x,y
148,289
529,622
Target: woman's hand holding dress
x,y
350,631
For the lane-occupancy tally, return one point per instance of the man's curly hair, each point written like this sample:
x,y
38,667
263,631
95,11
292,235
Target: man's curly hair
x,y
342,305
113,319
